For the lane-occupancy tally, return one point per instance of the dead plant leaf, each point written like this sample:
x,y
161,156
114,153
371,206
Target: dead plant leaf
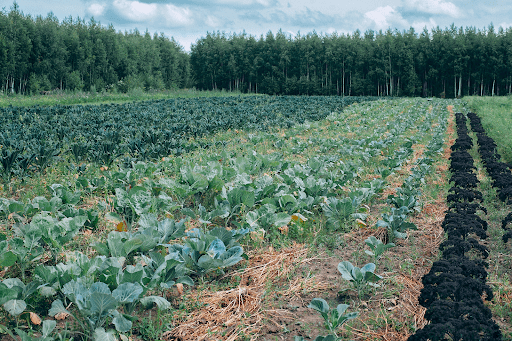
x,y
283,229
35,319
61,316
179,286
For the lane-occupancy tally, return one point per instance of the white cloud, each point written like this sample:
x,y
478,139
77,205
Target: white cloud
x,y
213,21
265,3
177,16
434,7
166,15
330,30
96,9
384,17
135,10
420,25
505,25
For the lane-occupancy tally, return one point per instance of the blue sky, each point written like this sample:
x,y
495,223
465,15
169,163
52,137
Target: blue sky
x,y
188,21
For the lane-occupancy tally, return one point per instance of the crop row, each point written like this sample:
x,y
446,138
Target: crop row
x,y
455,285
32,138
498,171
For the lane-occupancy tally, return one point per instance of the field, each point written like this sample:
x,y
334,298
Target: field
x,y
497,120
247,218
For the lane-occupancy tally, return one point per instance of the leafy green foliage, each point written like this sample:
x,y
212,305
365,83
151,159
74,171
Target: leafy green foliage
x,y
377,247
7,258
404,200
48,327
359,277
96,302
395,223
334,318
165,271
27,247
14,295
211,251
266,217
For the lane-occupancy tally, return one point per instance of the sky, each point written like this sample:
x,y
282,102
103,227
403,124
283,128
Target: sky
x,y
188,21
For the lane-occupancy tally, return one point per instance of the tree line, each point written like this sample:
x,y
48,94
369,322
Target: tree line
x,y
40,54
453,62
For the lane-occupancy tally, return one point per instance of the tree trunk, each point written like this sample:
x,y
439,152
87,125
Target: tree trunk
x,y
350,84
459,94
326,75
454,85
469,84
390,75
343,79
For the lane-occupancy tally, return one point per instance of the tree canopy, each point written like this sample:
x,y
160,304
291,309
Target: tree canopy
x,y
40,54
452,62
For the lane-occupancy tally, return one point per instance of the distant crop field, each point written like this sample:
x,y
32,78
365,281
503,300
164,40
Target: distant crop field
x,y
496,113
33,137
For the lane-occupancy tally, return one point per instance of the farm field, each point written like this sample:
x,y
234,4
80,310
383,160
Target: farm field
x,y
86,97
234,218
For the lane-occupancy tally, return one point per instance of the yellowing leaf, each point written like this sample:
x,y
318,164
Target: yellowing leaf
x,y
360,223
299,217
121,227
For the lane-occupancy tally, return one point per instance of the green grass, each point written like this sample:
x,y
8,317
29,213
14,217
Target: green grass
x,y
499,253
80,97
496,116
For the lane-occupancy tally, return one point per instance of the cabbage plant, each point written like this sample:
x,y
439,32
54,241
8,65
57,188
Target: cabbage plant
x,y
359,277
377,247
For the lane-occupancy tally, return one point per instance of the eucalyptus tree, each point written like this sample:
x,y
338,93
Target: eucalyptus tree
x,y
16,33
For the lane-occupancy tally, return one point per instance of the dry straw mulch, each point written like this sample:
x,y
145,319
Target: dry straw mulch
x,y
228,314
